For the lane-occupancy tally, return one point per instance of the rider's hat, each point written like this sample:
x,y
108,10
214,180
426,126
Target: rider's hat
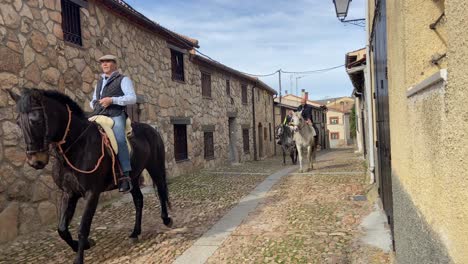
x,y
108,57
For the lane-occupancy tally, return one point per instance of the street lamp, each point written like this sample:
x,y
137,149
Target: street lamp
x,y
341,9
297,78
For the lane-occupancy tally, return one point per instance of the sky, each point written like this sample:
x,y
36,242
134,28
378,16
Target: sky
x,y
262,36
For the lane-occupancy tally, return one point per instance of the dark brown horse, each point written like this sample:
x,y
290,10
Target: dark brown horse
x,y
44,117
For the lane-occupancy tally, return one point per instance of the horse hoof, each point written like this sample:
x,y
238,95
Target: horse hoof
x,y
168,222
134,240
91,243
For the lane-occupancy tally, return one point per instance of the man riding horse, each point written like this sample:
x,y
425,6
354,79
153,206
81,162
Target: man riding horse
x,y
112,93
307,115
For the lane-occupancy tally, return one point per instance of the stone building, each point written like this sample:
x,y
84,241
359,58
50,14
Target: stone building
x,y
207,113
338,120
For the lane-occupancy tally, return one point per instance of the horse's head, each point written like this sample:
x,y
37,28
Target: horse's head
x,y
279,131
297,120
33,123
40,122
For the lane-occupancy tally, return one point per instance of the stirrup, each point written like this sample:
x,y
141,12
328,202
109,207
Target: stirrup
x,y
129,181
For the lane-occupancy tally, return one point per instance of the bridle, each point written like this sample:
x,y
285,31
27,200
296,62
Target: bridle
x,y
300,126
104,142
23,119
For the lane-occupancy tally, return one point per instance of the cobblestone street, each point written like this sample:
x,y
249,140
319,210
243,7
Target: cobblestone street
x,y
304,218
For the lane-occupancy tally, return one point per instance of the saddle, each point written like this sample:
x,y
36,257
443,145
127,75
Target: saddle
x,y
107,123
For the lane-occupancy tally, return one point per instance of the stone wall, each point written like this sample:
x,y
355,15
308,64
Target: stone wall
x,y
33,54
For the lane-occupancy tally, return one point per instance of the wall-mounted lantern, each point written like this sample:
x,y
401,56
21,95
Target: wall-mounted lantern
x,y
341,9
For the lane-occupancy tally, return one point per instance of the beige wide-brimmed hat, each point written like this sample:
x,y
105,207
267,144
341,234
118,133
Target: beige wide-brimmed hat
x,y
108,57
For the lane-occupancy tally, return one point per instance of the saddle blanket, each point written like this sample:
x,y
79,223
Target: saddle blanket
x,y
107,123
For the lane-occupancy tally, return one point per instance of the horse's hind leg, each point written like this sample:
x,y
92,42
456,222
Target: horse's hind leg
x,y
138,202
92,200
67,209
158,174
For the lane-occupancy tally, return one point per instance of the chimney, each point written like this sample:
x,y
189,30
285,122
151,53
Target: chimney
x,y
307,95
302,93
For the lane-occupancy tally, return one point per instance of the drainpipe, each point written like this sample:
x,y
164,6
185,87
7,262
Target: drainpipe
x,y
274,126
254,124
370,114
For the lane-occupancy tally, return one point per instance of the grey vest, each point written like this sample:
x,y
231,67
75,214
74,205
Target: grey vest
x,y
111,89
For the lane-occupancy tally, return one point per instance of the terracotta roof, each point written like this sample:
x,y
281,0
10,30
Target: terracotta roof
x,y
124,9
298,98
220,66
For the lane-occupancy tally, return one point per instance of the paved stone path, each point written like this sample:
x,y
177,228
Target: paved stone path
x,y
303,218
308,218
199,200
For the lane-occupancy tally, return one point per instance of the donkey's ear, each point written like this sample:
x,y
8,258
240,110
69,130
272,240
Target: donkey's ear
x,y
13,95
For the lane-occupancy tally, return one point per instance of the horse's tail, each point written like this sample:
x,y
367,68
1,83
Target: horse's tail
x,y
157,166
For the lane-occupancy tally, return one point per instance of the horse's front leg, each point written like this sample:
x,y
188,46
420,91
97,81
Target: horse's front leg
x,y
284,155
67,210
92,199
299,154
309,158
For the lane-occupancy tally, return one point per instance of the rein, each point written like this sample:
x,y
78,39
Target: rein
x,y
104,142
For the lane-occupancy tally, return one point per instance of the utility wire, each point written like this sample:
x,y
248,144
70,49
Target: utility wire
x,y
314,71
260,75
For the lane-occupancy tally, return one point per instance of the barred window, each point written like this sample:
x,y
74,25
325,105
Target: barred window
x,y
180,142
244,93
71,22
177,61
245,139
209,145
206,84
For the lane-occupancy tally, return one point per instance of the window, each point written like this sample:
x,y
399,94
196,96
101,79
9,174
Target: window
x,y
258,94
334,120
269,127
206,84
209,145
245,139
177,61
265,133
244,93
180,142
228,87
133,112
335,135
71,22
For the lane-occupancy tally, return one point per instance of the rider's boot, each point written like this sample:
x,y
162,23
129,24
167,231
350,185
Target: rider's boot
x,y
125,183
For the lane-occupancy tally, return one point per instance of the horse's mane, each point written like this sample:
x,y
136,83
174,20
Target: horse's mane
x,y
29,95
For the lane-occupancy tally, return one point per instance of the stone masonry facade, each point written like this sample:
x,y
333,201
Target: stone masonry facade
x,y
33,53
